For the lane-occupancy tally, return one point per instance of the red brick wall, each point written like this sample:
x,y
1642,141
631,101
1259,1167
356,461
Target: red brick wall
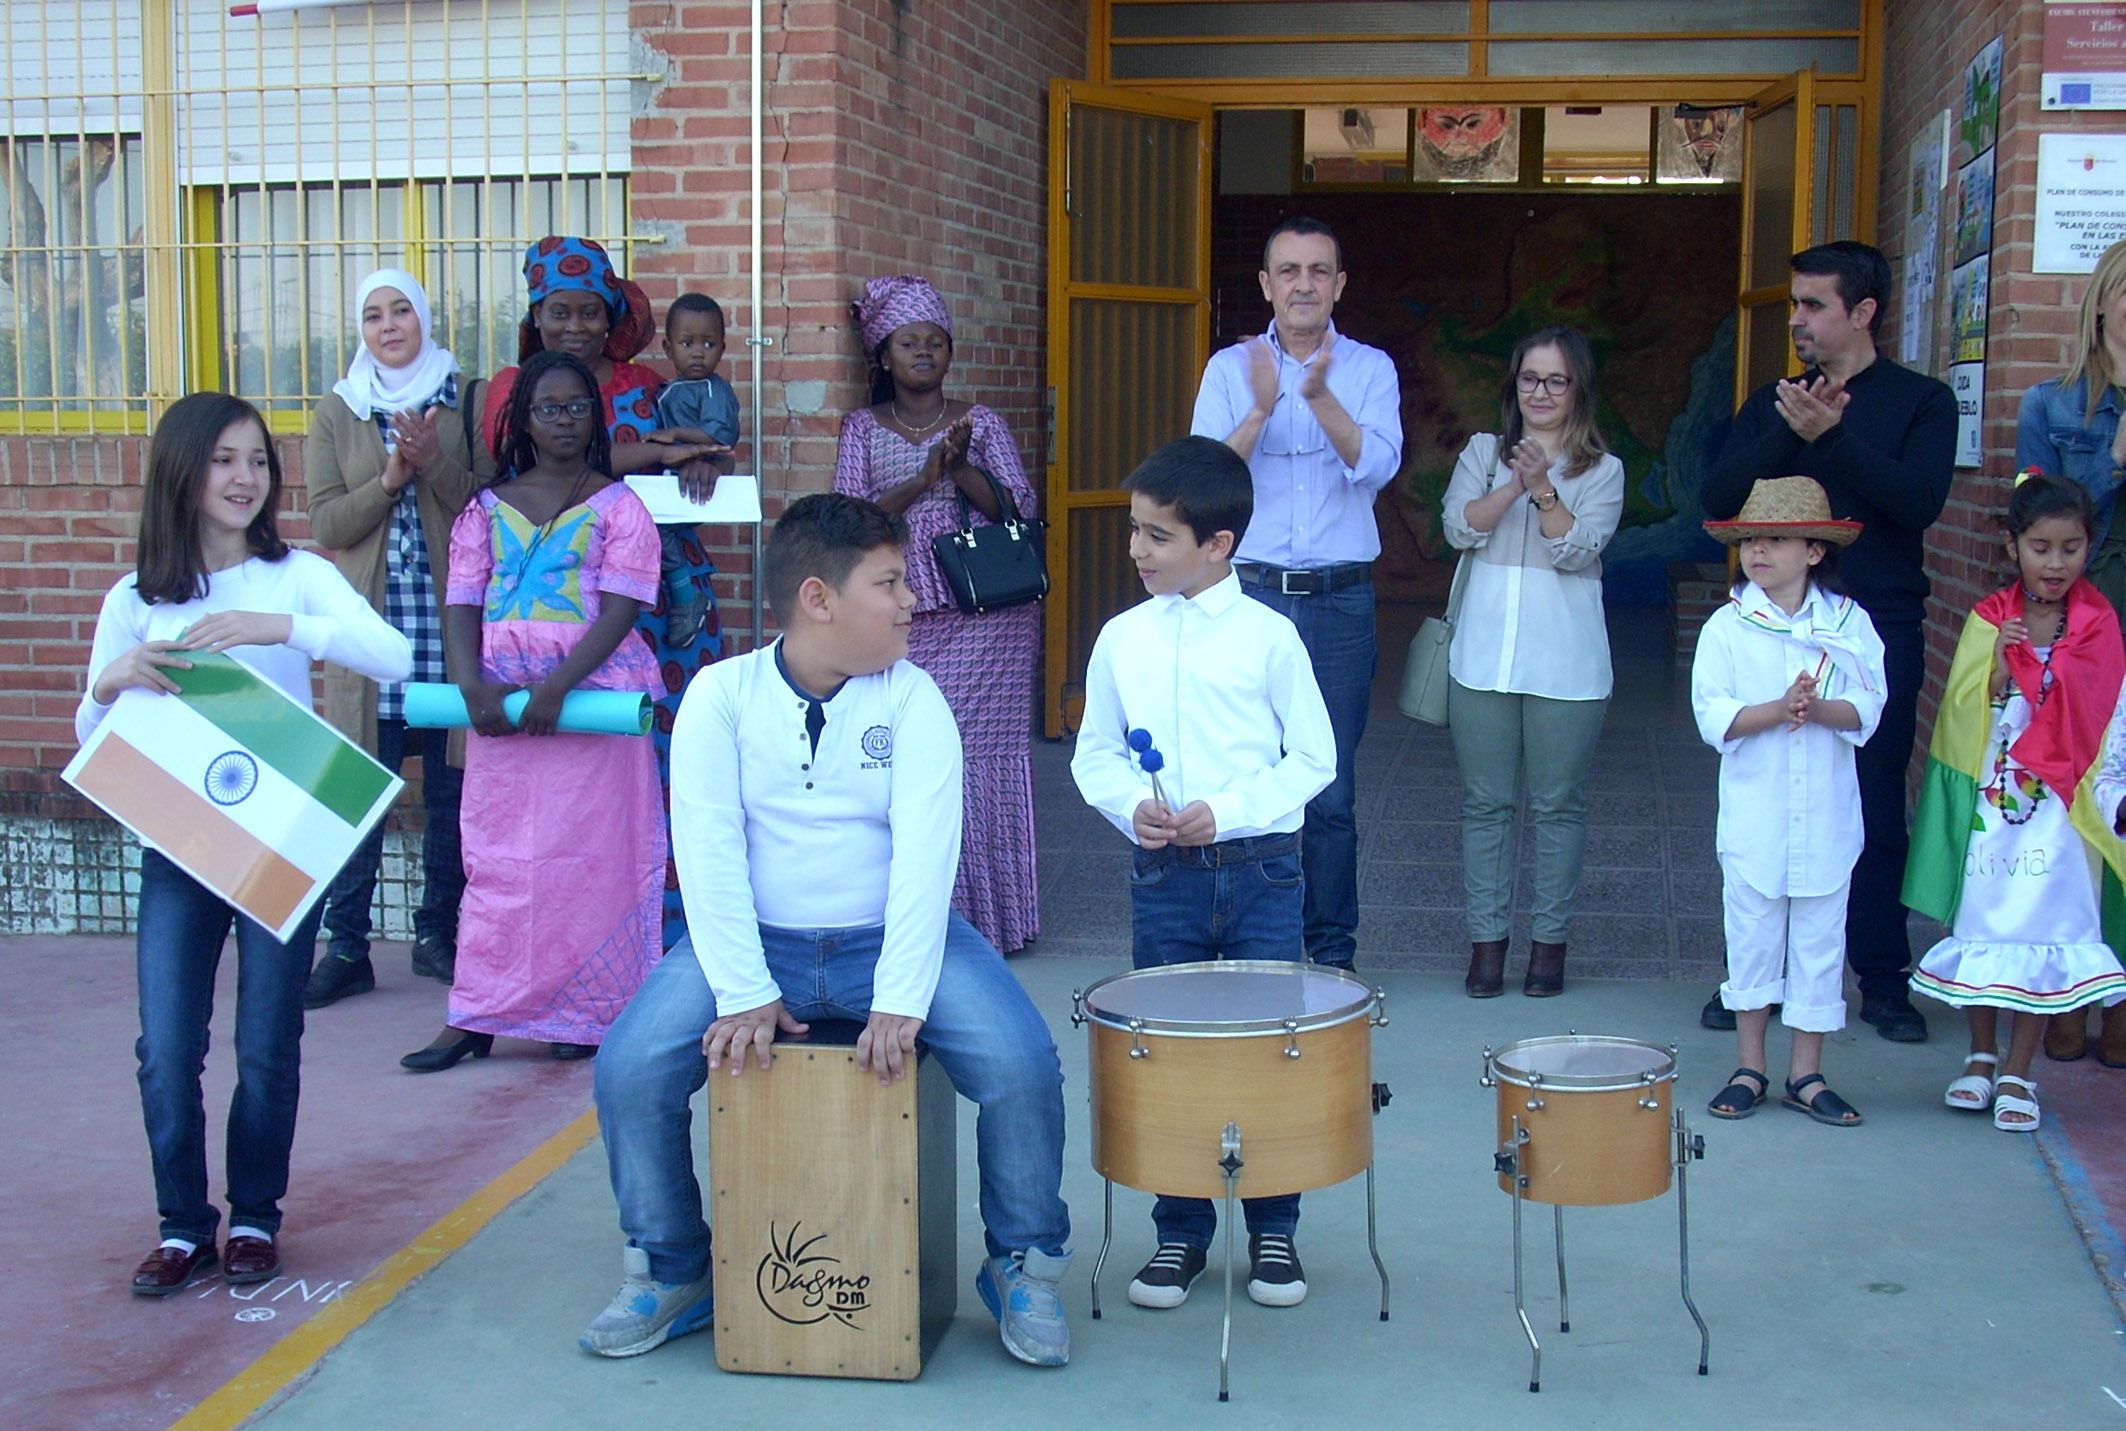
x,y
2032,317
900,135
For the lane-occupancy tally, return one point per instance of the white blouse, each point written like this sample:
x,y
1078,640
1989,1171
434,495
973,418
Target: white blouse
x,y
1531,613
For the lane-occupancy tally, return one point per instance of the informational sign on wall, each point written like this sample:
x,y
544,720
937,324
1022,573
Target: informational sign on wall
x,y
2081,200
1971,220
2084,57
1968,382
1926,171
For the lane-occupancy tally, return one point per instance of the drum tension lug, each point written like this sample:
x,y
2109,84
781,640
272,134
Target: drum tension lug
x,y
1291,1038
1382,1096
1696,1146
1503,1163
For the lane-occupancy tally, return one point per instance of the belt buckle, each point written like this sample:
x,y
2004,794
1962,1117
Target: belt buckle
x,y
1284,582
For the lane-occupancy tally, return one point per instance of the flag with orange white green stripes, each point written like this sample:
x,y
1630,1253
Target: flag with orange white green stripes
x,y
246,790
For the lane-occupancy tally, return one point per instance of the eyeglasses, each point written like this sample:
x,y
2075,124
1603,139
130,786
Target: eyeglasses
x,y
1555,384
549,411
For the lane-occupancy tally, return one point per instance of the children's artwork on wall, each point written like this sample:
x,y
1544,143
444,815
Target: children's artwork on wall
x,y
1968,287
1974,209
1699,144
1468,144
1978,116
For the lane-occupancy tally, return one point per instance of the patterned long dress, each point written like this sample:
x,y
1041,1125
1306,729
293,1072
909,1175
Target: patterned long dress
x,y
564,835
630,410
984,664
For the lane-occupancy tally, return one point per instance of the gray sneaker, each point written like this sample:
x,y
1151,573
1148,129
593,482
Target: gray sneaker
x,y
645,1314
1019,1289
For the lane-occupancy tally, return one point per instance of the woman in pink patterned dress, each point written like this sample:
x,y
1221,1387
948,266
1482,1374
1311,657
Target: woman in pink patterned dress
x,y
563,834
918,454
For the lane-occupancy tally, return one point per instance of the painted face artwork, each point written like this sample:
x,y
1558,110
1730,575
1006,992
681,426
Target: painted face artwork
x,y
1703,133
1464,141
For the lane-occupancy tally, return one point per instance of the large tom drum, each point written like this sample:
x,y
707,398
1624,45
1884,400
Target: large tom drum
x,y
1282,1050
1596,1114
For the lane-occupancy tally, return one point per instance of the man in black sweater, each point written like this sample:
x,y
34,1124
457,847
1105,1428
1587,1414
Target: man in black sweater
x,y
1882,441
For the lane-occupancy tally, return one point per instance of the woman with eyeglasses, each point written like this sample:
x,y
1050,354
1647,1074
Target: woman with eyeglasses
x,y
564,833
1530,508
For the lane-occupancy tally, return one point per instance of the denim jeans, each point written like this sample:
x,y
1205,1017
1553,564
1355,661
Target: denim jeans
x,y
348,901
1337,629
1238,900
983,1030
180,931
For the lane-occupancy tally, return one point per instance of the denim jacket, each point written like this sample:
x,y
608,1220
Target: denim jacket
x,y
2053,435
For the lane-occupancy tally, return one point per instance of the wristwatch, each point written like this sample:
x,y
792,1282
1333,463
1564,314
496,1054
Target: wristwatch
x,y
1539,504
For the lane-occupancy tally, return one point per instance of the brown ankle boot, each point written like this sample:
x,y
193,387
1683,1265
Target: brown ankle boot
x,y
1487,969
2111,1043
1546,970
2067,1036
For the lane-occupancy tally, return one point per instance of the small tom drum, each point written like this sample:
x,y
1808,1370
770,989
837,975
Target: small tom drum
x,y
1282,1050
1595,1112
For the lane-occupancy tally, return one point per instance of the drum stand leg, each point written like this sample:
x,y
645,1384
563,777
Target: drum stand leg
x,y
1230,1165
1688,1148
1509,1160
1107,1237
1373,1245
1557,1220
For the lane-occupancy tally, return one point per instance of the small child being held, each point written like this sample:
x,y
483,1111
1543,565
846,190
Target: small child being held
x,y
1226,692
1787,681
701,406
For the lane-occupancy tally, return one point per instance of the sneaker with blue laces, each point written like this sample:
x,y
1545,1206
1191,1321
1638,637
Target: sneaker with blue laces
x,y
645,1314
1019,1289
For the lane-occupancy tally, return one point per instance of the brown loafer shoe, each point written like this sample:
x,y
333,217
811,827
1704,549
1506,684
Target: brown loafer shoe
x,y
2111,1043
1546,970
2067,1036
167,1270
1487,969
250,1259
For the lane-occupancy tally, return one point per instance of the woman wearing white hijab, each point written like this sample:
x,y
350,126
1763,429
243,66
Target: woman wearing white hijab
x,y
388,466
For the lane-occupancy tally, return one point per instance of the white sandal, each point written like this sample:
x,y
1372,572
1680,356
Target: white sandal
x,y
2024,1103
1977,1085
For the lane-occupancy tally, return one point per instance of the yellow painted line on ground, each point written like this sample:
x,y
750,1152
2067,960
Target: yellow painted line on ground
x,y
294,1355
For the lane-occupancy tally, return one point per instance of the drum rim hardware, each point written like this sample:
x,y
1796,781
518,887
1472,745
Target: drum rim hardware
x,y
1369,1002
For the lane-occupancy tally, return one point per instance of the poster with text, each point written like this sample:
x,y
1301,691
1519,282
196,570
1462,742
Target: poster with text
x,y
1926,171
1967,310
1978,115
1968,382
2081,200
1974,209
2084,57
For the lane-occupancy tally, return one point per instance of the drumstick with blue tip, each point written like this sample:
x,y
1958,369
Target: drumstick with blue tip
x,y
1151,762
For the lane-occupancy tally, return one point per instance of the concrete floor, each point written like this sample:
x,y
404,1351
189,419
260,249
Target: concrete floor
x,y
1836,1268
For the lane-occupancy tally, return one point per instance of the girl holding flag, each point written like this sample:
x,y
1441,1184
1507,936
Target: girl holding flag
x,y
2013,846
1787,681
214,575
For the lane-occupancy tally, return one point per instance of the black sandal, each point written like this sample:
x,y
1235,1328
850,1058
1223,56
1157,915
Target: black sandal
x,y
1825,1107
1738,1099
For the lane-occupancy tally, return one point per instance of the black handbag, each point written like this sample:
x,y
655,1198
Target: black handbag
x,y
1000,564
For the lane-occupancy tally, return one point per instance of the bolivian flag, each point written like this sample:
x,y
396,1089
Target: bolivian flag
x,y
2063,746
246,790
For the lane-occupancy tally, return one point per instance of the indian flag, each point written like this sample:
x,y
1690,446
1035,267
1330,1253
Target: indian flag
x,y
245,789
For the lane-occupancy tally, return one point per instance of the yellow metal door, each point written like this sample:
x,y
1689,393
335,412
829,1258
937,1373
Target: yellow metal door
x,y
1129,323
1778,186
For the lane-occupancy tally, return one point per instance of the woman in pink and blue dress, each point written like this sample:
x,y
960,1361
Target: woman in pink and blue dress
x,y
917,453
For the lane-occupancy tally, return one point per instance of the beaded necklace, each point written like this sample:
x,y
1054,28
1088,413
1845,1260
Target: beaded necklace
x,y
2004,792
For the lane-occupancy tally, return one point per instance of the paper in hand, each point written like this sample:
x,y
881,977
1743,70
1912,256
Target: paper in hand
x,y
736,501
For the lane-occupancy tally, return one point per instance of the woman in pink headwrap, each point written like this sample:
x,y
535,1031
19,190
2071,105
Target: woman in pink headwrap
x,y
917,453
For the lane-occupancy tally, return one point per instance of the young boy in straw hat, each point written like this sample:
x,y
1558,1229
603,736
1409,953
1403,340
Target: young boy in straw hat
x,y
1787,681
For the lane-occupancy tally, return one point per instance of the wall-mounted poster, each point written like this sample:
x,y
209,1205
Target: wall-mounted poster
x,y
2081,200
1974,209
1926,170
1968,287
1468,144
1700,144
2084,64
1968,382
1978,116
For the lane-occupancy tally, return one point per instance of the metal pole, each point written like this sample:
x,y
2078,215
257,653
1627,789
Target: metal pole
x,y
1230,1164
1686,1149
1520,1303
759,342
1373,1245
1107,1235
1557,1218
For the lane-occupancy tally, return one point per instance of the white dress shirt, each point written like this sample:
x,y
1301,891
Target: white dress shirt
x,y
861,833
329,621
1311,510
1224,688
1789,800
1531,615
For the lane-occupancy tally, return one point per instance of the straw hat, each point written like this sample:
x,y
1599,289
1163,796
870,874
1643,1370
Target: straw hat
x,y
1785,507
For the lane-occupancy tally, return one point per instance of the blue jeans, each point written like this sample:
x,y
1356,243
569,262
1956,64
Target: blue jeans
x,y
1241,899
1337,629
983,1030
178,943
348,901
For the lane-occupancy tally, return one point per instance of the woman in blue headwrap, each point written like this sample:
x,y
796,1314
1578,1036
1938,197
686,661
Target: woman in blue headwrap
x,y
581,307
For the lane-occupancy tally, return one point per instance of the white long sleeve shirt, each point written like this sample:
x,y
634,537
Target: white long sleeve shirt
x,y
862,832
1789,800
330,621
1224,688
1530,620
1312,508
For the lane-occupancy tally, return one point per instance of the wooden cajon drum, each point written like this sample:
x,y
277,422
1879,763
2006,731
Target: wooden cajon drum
x,y
832,1211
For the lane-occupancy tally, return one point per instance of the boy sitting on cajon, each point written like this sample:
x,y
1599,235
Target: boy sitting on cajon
x,y
816,823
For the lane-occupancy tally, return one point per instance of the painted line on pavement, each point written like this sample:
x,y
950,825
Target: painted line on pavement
x,y
298,1353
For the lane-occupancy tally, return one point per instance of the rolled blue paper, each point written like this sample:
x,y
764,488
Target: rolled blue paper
x,y
440,705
